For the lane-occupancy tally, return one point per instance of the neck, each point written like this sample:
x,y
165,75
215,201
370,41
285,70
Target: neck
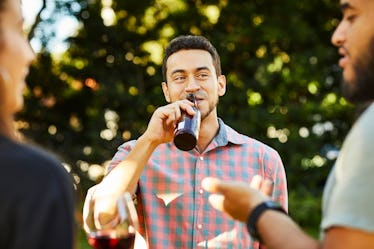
x,y
208,130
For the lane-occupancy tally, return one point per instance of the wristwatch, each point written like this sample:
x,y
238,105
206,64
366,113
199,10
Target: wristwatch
x,y
256,213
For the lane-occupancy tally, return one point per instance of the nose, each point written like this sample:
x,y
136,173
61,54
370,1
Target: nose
x,y
338,37
192,85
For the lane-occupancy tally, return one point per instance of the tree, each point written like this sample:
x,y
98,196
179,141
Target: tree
x,y
283,84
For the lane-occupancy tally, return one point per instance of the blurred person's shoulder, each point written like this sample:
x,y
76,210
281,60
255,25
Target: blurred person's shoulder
x,y
29,160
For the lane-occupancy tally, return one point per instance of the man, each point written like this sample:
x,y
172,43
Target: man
x,y
348,202
174,211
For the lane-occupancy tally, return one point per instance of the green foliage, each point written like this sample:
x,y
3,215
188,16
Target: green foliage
x,y
81,241
283,84
305,207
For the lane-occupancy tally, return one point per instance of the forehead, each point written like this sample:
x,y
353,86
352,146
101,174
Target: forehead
x,y
12,9
189,59
358,4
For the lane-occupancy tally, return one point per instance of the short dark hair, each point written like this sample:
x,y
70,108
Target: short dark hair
x,y
186,42
2,4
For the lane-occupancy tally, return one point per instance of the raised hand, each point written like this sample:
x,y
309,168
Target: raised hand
x,y
163,121
237,199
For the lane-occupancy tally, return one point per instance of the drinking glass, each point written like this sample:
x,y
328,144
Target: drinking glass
x,y
111,222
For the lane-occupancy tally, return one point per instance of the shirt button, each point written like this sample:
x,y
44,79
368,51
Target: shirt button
x,y
199,226
201,191
201,158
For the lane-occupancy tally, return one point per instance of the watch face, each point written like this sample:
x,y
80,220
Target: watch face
x,y
275,206
271,204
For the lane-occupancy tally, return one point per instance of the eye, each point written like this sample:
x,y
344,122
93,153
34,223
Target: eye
x,y
179,78
202,75
351,18
349,15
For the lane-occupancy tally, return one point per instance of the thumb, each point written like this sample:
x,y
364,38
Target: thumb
x,y
87,221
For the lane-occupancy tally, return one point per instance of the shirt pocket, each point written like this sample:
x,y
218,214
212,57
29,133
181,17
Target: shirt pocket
x,y
167,186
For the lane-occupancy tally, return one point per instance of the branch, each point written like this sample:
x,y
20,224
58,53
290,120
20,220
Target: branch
x,y
38,19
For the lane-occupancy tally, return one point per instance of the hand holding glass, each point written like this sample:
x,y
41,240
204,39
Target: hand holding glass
x,y
111,222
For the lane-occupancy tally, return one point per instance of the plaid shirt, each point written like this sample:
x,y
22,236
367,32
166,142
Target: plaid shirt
x,y
174,210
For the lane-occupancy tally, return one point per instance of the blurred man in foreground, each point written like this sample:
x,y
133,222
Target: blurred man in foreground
x,y
348,201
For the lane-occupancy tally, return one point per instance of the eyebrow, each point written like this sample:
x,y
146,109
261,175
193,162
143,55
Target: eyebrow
x,y
182,71
345,6
178,71
202,68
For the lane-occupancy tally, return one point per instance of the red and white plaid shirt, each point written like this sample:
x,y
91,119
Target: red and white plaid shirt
x,y
173,208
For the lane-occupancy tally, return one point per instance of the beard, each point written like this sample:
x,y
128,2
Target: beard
x,y
212,107
361,88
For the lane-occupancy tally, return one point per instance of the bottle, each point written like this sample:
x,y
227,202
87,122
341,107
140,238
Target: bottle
x,y
187,130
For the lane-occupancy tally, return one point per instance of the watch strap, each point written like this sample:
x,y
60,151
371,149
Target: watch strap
x,y
257,212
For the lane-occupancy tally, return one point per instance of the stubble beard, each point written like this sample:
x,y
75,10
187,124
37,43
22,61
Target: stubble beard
x,y
211,108
361,88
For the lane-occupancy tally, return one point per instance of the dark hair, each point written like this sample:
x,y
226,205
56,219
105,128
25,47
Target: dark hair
x,y
186,42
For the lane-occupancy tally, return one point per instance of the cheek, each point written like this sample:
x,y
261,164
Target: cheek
x,y
14,61
348,75
19,95
16,55
15,96
175,93
358,59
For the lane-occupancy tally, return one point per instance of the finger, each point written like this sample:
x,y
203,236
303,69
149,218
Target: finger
x,y
106,221
86,208
186,106
267,187
173,114
211,184
168,115
104,210
256,182
215,185
87,200
189,109
217,200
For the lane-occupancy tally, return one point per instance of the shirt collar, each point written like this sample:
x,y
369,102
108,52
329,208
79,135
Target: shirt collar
x,y
227,135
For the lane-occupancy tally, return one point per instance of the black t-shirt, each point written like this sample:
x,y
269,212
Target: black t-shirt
x,y
36,199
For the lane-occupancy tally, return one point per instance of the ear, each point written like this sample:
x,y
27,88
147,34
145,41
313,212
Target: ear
x,y
221,85
165,89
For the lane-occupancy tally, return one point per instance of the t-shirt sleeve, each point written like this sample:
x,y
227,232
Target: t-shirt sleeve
x,y
350,201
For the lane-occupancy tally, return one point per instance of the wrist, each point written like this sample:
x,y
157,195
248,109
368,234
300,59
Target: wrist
x,y
256,213
149,140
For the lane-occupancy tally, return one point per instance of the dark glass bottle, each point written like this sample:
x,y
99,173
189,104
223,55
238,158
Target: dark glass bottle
x,y
187,130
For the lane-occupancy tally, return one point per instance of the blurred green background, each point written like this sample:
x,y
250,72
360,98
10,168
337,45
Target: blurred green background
x,y
283,83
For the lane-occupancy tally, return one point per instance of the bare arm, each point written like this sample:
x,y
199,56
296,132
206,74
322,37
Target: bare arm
x,y
125,176
277,230
347,238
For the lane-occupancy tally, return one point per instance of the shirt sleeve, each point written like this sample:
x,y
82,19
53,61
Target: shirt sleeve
x,y
276,172
348,202
120,155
